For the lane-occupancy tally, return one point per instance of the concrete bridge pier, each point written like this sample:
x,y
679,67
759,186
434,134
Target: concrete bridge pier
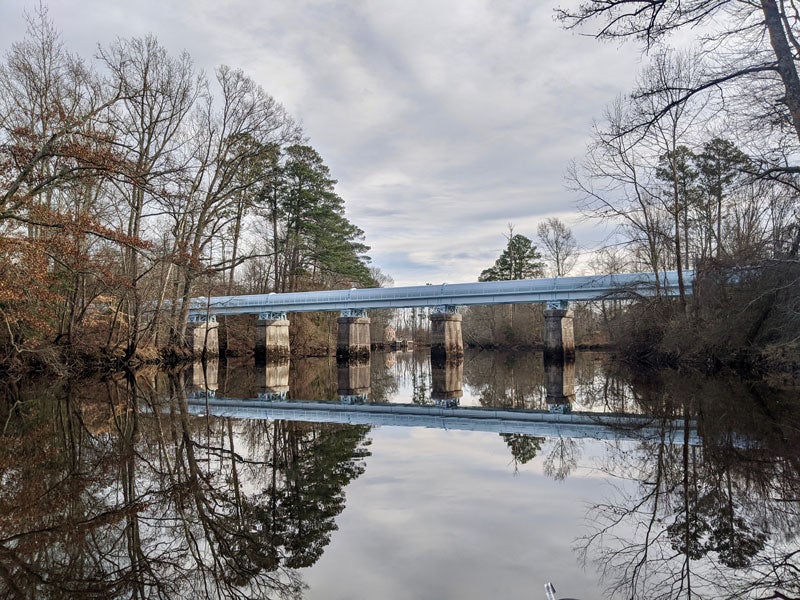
x,y
272,336
447,375
559,333
352,338
202,335
272,380
559,382
354,379
446,337
204,378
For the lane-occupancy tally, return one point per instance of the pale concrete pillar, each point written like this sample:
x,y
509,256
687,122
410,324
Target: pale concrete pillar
x,y
354,380
202,335
559,333
447,376
352,338
272,336
204,379
559,381
272,380
446,337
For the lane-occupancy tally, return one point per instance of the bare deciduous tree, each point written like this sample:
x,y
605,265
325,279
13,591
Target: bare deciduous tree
x,y
149,131
560,247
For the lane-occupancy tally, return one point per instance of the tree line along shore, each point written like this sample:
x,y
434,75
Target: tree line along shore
x,y
133,182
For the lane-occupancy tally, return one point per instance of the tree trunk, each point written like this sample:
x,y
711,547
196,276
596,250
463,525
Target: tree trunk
x,y
783,54
275,244
236,232
179,330
677,213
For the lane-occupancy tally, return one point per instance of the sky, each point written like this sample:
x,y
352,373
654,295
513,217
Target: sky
x,y
443,121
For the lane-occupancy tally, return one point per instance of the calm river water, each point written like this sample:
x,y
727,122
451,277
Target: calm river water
x,y
483,478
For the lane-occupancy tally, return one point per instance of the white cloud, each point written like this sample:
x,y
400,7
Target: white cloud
x,y
443,121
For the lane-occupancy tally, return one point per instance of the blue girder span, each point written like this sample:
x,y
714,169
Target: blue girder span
x,y
524,291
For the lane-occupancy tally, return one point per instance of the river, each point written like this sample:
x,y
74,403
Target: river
x,y
481,478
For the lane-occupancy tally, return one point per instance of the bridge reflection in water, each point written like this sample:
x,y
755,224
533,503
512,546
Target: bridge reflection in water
x,y
354,381
536,423
354,406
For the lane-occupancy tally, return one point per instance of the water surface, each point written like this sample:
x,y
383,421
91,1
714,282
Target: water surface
x,y
140,487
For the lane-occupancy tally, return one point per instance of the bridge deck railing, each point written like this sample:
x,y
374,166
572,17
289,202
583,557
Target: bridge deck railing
x,y
567,289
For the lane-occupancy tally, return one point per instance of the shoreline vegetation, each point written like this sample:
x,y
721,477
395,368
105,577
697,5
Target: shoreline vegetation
x,y
133,182
639,340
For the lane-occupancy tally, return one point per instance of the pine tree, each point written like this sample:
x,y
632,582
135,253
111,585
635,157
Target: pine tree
x,y
520,260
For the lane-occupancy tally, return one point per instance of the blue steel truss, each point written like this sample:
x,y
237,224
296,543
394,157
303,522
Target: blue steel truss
x,y
554,290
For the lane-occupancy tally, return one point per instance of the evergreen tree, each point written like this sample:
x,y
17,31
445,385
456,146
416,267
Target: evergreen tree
x,y
720,167
321,245
520,260
676,170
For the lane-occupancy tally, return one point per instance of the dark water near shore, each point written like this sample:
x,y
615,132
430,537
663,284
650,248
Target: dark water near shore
x,y
145,487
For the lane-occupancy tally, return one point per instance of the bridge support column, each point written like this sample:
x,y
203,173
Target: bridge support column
x,y
202,335
447,375
559,381
272,336
272,380
204,379
352,338
559,334
354,380
446,337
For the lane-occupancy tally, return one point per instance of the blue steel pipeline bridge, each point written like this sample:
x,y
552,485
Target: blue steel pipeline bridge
x,y
556,292
529,422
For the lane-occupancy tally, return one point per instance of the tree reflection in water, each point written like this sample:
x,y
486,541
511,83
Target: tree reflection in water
x,y
528,382
110,492
718,520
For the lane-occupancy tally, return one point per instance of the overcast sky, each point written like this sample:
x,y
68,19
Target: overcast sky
x,y
443,120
